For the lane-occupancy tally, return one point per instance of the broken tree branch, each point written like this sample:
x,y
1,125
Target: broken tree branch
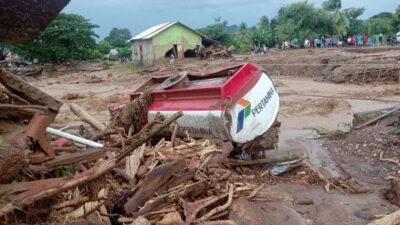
x,y
397,108
220,208
86,117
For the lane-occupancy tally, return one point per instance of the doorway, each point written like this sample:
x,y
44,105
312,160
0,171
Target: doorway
x,y
179,51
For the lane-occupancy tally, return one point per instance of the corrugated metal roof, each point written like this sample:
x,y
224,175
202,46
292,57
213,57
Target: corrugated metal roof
x,y
152,31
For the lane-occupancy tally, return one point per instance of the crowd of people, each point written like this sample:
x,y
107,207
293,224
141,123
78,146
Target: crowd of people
x,y
328,41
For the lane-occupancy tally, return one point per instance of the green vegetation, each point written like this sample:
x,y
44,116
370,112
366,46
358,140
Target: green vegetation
x,y
104,47
217,31
301,20
396,19
118,39
69,37
108,63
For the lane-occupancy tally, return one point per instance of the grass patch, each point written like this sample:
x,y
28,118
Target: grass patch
x,y
107,64
331,134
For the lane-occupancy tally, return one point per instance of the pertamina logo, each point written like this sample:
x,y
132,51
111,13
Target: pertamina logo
x,y
243,114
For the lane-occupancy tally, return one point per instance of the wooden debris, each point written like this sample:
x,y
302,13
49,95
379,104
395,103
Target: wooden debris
x,y
395,161
219,208
134,114
133,162
192,209
235,162
12,161
371,121
37,190
390,219
86,117
141,221
392,194
152,183
172,218
72,202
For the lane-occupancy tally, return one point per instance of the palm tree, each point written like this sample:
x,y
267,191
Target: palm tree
x,y
341,21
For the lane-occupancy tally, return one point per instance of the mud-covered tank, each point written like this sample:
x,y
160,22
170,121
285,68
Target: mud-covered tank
x,y
237,103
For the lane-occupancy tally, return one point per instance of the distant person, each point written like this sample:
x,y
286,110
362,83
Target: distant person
x,y
353,40
265,49
306,43
373,40
364,40
172,59
312,44
380,39
359,40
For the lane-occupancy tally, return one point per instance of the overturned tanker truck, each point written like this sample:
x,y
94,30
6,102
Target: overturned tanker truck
x,y
237,103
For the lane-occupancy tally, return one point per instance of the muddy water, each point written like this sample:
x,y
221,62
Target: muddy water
x,y
304,141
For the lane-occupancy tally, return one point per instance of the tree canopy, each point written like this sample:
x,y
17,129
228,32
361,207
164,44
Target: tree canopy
x,y
396,20
69,37
301,20
118,37
217,31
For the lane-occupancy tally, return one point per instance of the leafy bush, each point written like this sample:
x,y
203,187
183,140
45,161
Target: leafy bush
x,y
108,63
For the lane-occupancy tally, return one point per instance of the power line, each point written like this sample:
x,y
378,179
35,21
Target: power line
x,y
340,97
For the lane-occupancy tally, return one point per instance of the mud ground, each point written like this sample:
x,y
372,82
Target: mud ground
x,y
306,106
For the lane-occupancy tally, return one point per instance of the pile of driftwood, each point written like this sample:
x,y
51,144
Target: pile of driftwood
x,y
132,179
216,51
132,174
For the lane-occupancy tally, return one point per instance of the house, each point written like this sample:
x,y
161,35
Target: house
x,y
165,39
398,37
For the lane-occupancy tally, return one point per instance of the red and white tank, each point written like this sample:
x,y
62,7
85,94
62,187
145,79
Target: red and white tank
x,y
237,103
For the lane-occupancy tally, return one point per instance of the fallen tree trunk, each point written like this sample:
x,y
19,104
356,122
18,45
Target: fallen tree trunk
x,y
86,117
26,91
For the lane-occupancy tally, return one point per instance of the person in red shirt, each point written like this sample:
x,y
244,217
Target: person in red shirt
x,y
353,40
364,40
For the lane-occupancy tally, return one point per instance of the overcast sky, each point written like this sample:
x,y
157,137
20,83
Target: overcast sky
x,y
137,15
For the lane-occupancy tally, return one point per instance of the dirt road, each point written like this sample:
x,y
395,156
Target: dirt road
x,y
303,110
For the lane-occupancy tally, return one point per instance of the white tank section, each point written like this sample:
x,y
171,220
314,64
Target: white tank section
x,y
243,121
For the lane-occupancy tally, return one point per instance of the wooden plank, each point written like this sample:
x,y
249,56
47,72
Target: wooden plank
x,y
21,88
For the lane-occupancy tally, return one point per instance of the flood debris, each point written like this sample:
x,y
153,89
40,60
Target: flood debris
x,y
146,170
390,219
216,51
25,114
382,114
